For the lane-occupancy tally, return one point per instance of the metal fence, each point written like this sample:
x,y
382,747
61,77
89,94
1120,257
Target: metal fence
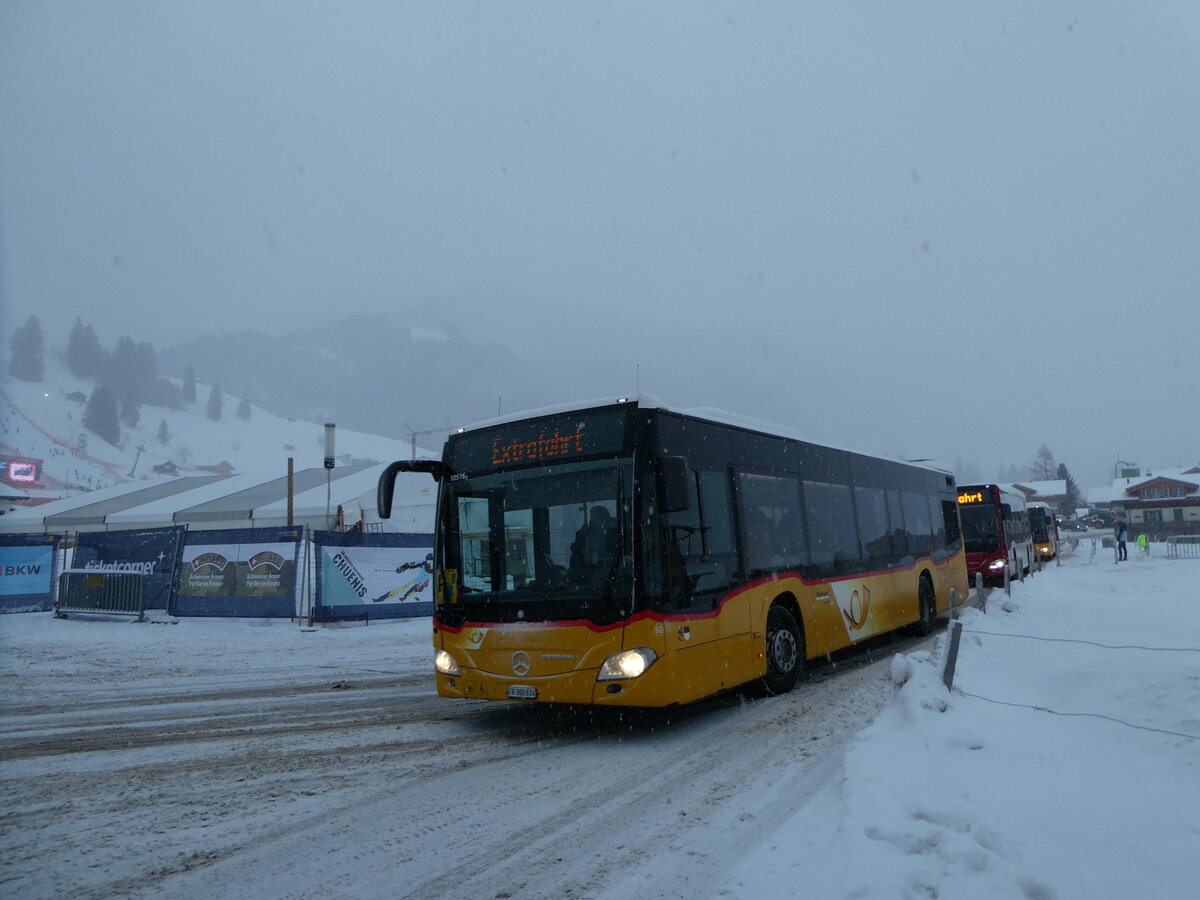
x,y
1182,546
96,592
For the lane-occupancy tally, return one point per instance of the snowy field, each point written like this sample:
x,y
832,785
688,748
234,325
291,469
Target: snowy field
x,y
233,758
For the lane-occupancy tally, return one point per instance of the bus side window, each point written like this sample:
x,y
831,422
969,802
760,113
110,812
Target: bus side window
x,y
918,523
773,526
832,533
875,527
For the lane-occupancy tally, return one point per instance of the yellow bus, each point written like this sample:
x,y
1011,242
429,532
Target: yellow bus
x,y
1043,526
620,552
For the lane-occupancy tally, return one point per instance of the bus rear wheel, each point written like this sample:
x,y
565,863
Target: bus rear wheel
x,y
927,613
785,651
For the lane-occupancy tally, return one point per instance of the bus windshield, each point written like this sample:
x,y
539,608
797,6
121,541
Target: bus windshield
x,y
541,543
980,533
1040,524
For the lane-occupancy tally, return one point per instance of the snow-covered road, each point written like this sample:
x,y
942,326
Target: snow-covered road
x,y
212,758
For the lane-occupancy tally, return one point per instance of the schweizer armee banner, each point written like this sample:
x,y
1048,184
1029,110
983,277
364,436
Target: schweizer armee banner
x,y
239,572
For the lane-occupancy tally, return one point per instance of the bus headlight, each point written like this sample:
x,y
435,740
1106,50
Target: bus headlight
x,y
444,663
627,664
996,565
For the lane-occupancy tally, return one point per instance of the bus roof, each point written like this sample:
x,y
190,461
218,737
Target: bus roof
x,y
706,413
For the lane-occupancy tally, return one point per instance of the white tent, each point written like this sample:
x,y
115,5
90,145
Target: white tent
x,y
239,501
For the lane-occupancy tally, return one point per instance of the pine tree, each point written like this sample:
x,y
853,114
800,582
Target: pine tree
x,y
1074,498
27,361
189,386
85,356
1043,467
243,410
130,373
100,415
130,403
163,434
215,402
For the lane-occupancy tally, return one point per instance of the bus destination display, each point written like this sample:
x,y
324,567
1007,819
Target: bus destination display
x,y
547,441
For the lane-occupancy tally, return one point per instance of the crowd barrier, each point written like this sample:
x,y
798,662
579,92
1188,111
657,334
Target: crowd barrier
x,y
1182,546
101,593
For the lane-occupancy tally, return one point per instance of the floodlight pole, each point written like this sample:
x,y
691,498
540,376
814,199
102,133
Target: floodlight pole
x,y
329,463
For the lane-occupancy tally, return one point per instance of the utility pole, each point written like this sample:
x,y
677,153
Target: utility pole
x,y
413,433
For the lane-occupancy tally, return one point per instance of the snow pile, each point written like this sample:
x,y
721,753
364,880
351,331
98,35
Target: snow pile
x,y
1063,763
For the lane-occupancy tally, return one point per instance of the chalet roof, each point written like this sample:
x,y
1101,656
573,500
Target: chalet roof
x,y
1034,489
1124,488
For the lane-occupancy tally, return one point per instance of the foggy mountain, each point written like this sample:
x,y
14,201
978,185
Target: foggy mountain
x,y
365,373
456,360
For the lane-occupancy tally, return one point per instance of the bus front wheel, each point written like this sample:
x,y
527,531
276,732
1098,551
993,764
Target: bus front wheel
x,y
785,651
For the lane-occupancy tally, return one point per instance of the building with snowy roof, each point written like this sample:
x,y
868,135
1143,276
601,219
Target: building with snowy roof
x,y
1157,503
1052,493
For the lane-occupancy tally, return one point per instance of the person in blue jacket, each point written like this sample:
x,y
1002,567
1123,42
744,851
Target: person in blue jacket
x,y
1121,533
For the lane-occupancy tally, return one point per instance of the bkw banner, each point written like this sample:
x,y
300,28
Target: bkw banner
x,y
27,572
153,552
239,572
373,576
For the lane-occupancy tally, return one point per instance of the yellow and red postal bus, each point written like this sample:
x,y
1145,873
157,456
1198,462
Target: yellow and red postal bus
x,y
621,552
1043,529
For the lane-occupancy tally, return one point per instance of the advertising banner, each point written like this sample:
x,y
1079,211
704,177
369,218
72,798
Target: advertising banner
x,y
373,576
153,552
27,570
239,572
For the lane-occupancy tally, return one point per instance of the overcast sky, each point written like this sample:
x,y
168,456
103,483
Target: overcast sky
x,y
934,228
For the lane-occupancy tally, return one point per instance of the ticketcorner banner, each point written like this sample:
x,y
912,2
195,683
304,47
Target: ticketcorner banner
x,y
239,572
153,552
27,570
373,576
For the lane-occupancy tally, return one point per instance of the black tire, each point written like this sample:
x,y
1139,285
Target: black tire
x,y
927,606
785,651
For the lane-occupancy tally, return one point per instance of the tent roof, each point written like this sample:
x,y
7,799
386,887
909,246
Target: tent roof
x,y
97,512
242,504
32,519
214,501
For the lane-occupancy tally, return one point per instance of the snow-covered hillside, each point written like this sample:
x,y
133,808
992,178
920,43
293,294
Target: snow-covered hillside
x,y
45,421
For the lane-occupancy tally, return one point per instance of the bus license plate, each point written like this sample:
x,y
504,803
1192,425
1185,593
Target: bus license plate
x,y
522,692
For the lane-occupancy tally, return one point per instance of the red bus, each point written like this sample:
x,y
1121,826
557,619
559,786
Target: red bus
x,y
995,528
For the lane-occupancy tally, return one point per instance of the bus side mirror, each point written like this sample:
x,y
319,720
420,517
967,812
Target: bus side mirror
x,y
675,476
387,480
